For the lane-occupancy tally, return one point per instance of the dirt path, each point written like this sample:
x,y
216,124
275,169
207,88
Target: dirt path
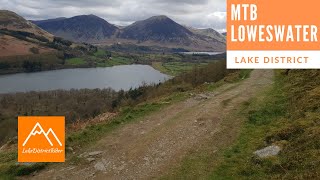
x,y
153,146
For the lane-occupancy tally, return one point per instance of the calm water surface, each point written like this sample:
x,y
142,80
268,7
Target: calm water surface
x,y
203,53
117,78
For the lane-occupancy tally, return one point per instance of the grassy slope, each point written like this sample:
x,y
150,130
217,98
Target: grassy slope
x,y
288,116
75,61
9,170
175,68
98,59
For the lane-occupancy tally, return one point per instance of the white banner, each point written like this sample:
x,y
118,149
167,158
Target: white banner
x,y
273,59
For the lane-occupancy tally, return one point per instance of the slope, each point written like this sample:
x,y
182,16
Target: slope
x,y
151,146
84,28
24,47
14,34
12,21
163,31
286,116
211,33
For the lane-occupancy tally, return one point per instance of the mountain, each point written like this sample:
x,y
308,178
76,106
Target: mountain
x,y
84,28
157,28
163,31
158,31
12,21
225,33
24,47
210,33
21,37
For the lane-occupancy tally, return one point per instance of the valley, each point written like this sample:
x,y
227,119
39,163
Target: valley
x,y
28,48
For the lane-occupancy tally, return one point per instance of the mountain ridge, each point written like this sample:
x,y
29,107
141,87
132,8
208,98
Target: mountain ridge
x,y
154,31
82,28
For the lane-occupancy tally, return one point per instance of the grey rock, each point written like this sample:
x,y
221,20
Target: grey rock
x,y
268,151
95,153
202,97
99,166
91,159
25,164
85,154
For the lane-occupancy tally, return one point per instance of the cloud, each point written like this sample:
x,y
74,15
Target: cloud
x,y
195,13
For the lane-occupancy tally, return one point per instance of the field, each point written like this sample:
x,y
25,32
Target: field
x,y
75,61
175,68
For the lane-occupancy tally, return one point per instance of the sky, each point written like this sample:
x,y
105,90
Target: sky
x,y
194,13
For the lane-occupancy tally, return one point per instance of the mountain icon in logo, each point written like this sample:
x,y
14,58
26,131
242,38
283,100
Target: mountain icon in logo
x,y
35,132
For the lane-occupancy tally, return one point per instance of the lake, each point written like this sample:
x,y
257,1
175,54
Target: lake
x,y
203,53
117,77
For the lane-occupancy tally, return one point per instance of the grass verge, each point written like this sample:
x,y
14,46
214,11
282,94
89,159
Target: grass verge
x,y
175,68
115,61
75,61
287,116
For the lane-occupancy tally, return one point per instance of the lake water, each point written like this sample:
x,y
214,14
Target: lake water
x,y
203,53
117,78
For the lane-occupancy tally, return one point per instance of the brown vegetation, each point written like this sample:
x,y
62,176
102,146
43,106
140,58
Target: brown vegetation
x,y
11,46
12,21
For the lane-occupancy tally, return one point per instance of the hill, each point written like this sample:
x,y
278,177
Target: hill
x,y
84,28
209,33
157,28
163,31
13,30
158,31
12,21
24,47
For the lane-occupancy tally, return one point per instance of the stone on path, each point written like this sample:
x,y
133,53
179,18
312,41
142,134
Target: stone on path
x,y
268,151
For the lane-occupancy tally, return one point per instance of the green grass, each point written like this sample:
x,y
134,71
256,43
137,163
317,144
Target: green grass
x,y
175,68
75,61
245,73
9,169
288,116
100,53
7,160
115,61
102,60
99,59
237,163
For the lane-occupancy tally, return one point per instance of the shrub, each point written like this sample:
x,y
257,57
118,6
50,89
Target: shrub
x,y
34,50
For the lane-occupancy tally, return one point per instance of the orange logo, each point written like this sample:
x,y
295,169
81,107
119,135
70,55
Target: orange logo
x,y
41,139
